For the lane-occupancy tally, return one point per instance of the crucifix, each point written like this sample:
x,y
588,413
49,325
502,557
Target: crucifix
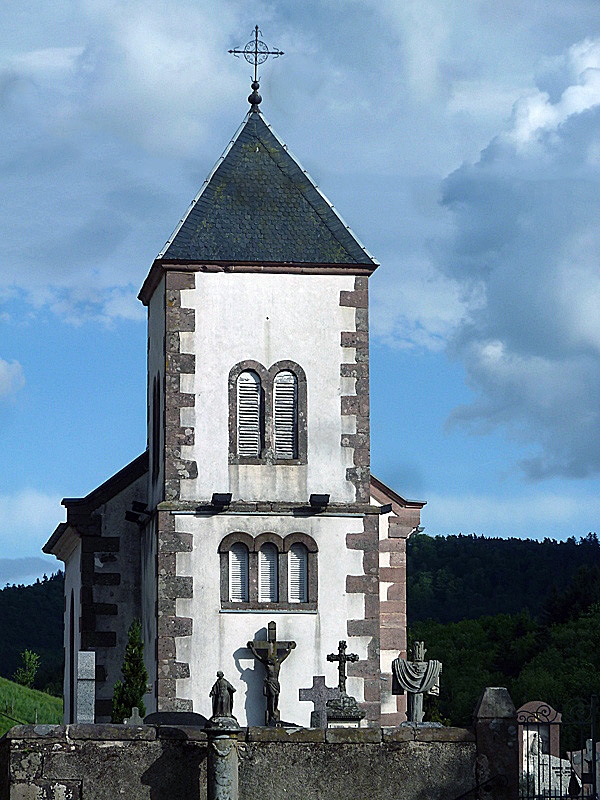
x,y
256,52
271,654
342,658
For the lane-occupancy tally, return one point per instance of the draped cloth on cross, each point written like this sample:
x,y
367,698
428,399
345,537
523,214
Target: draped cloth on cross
x,y
416,678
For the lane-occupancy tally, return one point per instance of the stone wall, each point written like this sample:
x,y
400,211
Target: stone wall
x,y
102,762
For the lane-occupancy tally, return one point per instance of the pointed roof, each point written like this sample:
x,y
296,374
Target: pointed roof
x,y
260,206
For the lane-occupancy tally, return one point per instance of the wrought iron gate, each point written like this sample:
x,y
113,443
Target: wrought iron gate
x,y
558,754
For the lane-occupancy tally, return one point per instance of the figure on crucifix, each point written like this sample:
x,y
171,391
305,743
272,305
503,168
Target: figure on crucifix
x,y
271,654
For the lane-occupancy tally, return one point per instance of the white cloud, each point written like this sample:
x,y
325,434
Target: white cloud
x,y
27,518
526,217
11,378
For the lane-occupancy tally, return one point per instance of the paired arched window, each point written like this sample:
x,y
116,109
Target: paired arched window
x,y
267,413
268,572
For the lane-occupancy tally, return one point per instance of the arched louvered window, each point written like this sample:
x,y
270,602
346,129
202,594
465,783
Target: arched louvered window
x,y
285,414
249,437
268,577
298,574
238,573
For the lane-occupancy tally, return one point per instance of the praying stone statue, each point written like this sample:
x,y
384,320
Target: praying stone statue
x,y
271,654
416,678
222,697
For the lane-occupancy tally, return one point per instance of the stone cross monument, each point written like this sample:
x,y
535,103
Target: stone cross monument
x,y
416,678
343,711
271,654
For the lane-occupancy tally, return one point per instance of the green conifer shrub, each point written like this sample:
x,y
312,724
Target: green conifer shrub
x,y
131,690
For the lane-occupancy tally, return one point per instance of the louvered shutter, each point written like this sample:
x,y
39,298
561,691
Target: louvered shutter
x,y
268,574
298,573
248,421
286,415
238,573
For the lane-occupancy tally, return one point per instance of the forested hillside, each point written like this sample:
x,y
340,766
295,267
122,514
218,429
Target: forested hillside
x,y
548,649
31,617
465,577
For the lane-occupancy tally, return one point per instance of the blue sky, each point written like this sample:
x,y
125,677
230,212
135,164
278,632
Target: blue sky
x,y
459,140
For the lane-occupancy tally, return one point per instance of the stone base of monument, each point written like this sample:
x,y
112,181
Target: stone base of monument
x,y
223,725
343,712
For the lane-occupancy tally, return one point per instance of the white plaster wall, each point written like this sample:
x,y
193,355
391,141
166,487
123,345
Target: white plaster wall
x,y
156,365
219,637
268,318
72,583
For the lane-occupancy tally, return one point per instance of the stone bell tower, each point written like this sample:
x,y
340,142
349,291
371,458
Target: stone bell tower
x,y
252,521
258,397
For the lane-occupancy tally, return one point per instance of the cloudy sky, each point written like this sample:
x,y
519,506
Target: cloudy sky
x,y
460,140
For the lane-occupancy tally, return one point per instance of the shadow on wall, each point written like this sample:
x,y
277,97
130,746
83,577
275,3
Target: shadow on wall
x,y
178,772
253,676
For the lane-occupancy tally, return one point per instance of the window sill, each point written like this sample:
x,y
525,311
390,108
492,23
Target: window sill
x,y
271,608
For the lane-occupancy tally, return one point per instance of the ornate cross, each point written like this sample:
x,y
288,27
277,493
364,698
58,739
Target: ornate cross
x,y
342,658
256,52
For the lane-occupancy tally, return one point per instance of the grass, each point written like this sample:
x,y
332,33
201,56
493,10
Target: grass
x,y
27,706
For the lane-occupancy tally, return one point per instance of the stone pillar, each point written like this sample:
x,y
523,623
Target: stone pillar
x,y
497,765
85,703
222,766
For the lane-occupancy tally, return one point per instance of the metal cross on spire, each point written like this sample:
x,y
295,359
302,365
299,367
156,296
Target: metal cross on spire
x,y
256,52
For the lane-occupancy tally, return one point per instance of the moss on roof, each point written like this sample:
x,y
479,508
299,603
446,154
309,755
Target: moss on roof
x,y
260,206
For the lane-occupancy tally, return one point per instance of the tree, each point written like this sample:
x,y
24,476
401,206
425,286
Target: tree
x,y
131,690
25,674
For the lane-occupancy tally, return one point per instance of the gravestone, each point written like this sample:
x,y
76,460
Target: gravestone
x,y
343,711
85,702
416,678
319,694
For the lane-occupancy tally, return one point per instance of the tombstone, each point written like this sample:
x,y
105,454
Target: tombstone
x,y
319,694
416,678
343,711
135,718
85,702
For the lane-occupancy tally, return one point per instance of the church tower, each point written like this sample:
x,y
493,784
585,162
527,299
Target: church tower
x,y
258,396
254,503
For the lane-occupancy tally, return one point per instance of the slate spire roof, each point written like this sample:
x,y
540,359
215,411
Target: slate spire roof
x,y
259,205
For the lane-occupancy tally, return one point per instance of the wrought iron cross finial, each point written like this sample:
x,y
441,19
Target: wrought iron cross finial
x,y
256,52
